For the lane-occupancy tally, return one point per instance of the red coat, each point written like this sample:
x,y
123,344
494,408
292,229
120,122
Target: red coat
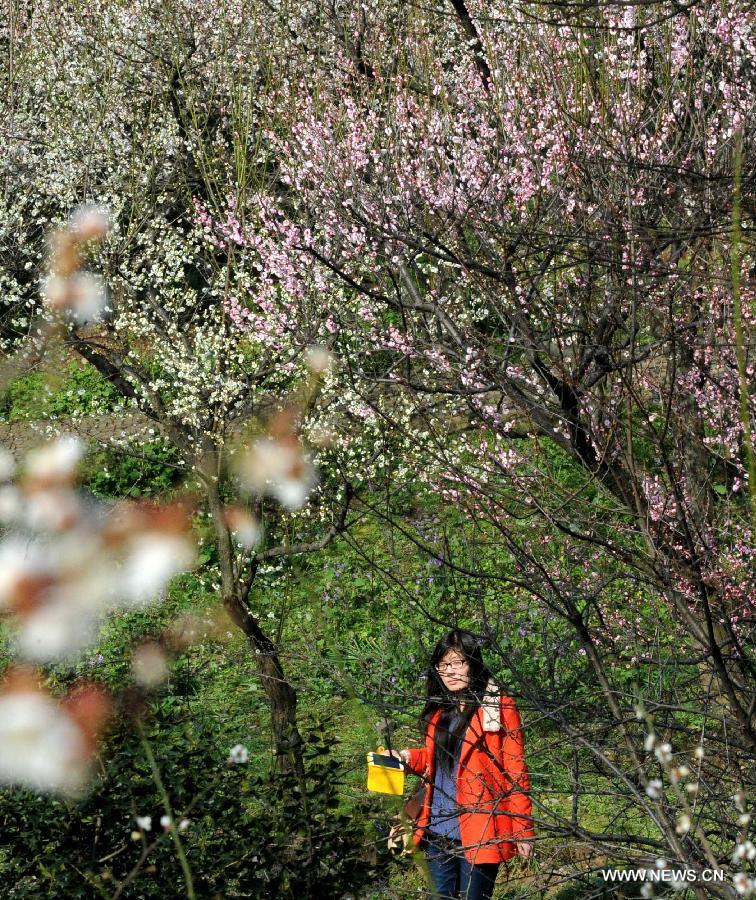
x,y
492,787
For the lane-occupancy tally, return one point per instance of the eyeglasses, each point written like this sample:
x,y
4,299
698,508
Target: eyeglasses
x,y
455,666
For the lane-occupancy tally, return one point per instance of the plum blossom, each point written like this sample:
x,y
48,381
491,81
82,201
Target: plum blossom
x,y
45,744
319,360
744,851
663,752
7,464
280,469
654,788
68,288
245,528
68,560
744,885
277,464
54,463
238,754
152,558
149,665
90,222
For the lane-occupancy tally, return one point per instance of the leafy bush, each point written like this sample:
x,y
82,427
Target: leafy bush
x,y
77,390
149,471
251,834
586,887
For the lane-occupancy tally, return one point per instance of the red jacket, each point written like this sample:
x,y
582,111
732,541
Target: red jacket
x,y
492,782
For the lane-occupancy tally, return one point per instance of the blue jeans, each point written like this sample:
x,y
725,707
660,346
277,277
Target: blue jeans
x,y
454,877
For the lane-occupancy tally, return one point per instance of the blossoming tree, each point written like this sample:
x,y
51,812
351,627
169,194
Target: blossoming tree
x,y
523,229
538,214
156,322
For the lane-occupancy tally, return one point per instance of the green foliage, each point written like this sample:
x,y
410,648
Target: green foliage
x,y
355,625
78,390
147,471
598,888
252,834
26,398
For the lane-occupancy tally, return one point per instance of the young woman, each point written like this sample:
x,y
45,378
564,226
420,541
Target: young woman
x,y
477,807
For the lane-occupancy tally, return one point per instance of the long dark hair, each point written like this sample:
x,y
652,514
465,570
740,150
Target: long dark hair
x,y
439,697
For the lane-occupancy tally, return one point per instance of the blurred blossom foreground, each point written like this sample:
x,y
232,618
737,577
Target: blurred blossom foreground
x,y
46,744
69,288
65,562
69,560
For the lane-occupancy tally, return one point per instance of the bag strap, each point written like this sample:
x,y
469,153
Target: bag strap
x,y
413,805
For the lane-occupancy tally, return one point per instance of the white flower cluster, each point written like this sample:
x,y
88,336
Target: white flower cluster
x,y
238,754
67,561
144,824
45,744
744,884
744,852
68,287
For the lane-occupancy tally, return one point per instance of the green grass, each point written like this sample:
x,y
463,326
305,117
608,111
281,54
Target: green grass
x,y
77,389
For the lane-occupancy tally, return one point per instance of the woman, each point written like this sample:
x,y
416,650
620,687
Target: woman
x,y
477,807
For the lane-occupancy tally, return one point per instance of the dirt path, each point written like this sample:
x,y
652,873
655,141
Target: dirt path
x,y
106,430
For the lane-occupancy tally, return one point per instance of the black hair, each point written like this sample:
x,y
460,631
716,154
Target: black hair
x,y
439,697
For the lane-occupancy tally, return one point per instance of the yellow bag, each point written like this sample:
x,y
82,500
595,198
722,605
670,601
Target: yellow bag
x,y
385,773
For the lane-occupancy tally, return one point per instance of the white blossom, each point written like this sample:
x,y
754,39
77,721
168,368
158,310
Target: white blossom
x,y
90,221
654,788
152,559
69,562
663,752
149,665
55,462
238,754
7,464
319,360
41,746
746,850
244,526
86,298
280,469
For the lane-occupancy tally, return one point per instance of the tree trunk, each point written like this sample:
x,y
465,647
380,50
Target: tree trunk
x,y
281,695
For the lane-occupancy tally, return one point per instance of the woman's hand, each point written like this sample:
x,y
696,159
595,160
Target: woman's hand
x,y
524,848
402,755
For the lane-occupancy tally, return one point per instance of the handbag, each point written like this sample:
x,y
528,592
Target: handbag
x,y
400,835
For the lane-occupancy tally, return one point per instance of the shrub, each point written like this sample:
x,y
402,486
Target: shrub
x,y
252,834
